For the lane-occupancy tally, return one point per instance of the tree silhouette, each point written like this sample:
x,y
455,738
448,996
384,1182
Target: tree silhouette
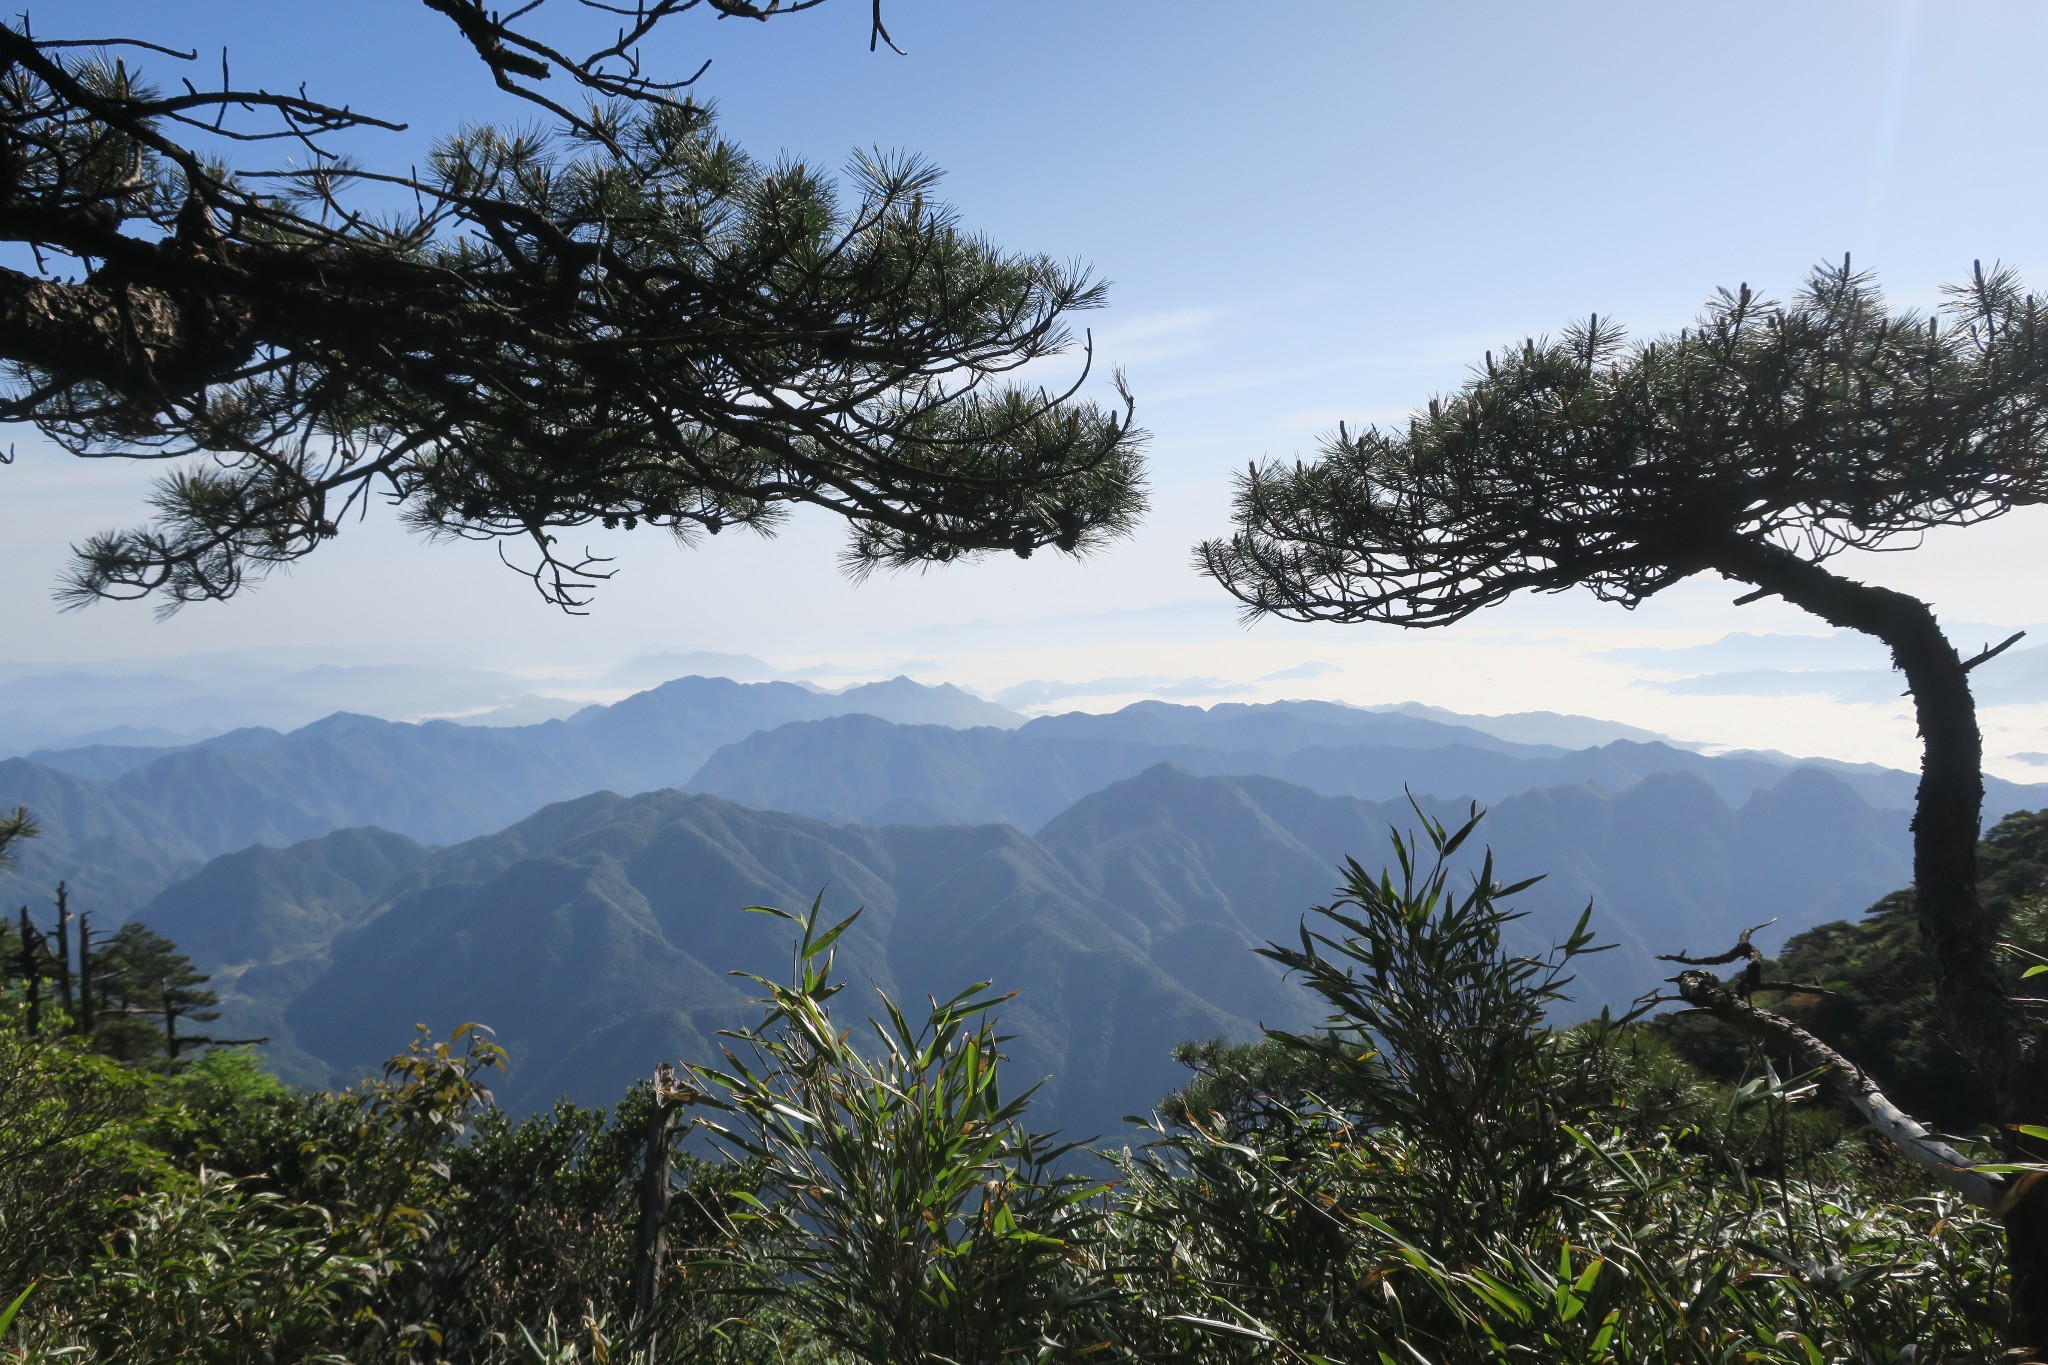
x,y
146,989
617,319
15,826
1758,445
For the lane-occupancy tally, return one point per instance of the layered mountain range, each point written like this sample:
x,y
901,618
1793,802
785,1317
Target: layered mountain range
x,y
122,822
596,936
1116,871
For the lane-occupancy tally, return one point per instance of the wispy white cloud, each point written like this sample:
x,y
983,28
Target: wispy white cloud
x,y
1040,691
1314,668
875,671
2021,681
1182,618
1743,650
1143,337
1418,366
1842,684
1246,379
2019,678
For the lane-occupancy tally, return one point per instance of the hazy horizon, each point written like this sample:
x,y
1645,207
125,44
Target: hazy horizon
x,y
1321,213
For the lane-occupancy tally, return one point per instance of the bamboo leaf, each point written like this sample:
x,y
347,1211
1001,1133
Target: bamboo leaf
x,y
7,1313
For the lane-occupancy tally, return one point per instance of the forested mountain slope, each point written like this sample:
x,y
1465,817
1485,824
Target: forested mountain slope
x,y
121,824
115,850
597,935
262,919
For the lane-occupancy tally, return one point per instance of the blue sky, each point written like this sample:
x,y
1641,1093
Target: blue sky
x,y
1310,210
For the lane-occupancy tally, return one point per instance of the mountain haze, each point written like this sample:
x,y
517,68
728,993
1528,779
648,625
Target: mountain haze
x,y
596,936
859,768
124,820
1116,870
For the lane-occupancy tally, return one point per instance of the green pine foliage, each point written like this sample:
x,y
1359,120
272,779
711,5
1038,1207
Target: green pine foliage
x,y
614,319
1438,1173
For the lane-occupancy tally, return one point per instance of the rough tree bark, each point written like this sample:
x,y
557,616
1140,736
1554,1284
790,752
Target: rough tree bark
x,y
62,959
88,1014
656,1170
1987,1026
31,974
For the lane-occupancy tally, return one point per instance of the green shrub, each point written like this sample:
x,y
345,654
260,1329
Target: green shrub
x,y
905,1213
1439,1176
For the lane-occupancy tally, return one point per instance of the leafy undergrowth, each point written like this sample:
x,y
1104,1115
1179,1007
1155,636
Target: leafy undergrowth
x,y
1435,1176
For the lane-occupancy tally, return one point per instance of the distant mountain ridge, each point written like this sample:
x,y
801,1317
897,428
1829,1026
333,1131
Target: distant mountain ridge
x,y
679,718
1539,727
596,935
590,912
858,768
70,707
121,822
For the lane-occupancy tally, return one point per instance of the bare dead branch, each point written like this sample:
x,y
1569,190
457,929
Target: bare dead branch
x,y
1993,651
1708,995
1743,950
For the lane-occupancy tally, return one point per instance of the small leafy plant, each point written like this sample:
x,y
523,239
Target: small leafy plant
x,y
906,1214
1443,1175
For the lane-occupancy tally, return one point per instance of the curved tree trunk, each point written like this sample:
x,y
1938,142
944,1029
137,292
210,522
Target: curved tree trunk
x,y
1985,1023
